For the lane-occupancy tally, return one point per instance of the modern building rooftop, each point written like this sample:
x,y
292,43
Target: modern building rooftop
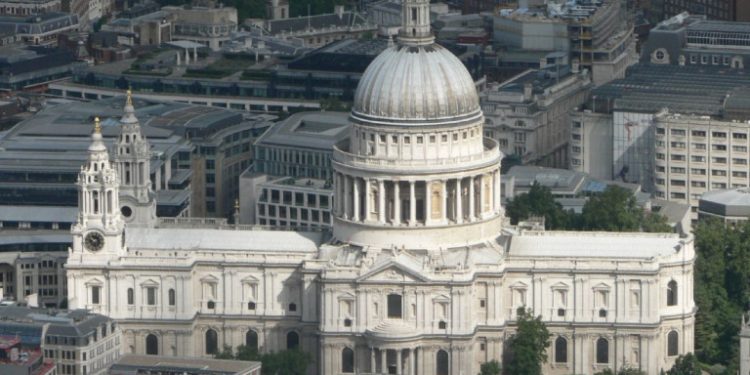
x,y
318,130
70,323
732,203
699,90
131,364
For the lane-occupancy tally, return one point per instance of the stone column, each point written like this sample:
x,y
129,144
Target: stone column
x,y
472,202
399,365
498,193
368,200
412,353
381,201
373,367
383,364
412,205
427,202
396,203
491,197
459,206
443,201
355,198
347,197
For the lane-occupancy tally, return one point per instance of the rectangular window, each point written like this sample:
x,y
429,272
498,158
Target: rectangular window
x,y
677,157
697,159
698,133
678,132
698,171
718,134
719,160
95,295
719,147
151,296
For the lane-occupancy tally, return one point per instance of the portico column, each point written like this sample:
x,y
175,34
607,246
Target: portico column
x,y
355,198
412,352
396,203
383,365
459,208
368,200
471,199
381,201
427,202
399,365
412,204
373,366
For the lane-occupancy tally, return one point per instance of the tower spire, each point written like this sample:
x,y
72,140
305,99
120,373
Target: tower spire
x,y
415,23
132,158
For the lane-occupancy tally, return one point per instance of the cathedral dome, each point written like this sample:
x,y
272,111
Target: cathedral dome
x,y
416,82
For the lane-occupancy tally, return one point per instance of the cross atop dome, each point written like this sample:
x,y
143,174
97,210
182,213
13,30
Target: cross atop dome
x,y
415,23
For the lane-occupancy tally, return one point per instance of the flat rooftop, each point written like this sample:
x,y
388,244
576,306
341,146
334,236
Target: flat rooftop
x,y
204,239
689,89
609,245
136,364
308,130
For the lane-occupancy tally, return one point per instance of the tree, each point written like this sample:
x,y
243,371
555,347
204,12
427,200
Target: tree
x,y
287,362
538,202
226,353
685,365
615,210
490,368
527,349
654,222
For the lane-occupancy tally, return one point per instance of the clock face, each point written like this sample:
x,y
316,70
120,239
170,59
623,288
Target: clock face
x,y
94,241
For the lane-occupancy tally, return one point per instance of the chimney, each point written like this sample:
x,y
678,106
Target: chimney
x,y
528,90
575,66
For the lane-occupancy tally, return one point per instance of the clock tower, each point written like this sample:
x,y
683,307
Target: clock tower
x,y
98,232
132,158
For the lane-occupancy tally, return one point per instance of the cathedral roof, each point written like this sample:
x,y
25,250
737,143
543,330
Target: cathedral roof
x,y
561,244
210,239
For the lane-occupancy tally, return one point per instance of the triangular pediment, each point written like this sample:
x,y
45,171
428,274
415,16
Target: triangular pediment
x,y
559,285
250,279
210,279
441,298
392,272
346,296
95,282
519,285
601,286
149,282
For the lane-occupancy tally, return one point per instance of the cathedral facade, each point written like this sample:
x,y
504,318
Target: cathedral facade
x,y
421,274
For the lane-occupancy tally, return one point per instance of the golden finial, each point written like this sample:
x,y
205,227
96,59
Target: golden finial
x,y
97,125
129,97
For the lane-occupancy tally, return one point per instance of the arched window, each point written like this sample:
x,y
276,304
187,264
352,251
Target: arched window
x,y
212,342
442,363
602,350
672,343
561,350
152,345
131,296
251,340
394,306
347,360
672,293
292,340
171,297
